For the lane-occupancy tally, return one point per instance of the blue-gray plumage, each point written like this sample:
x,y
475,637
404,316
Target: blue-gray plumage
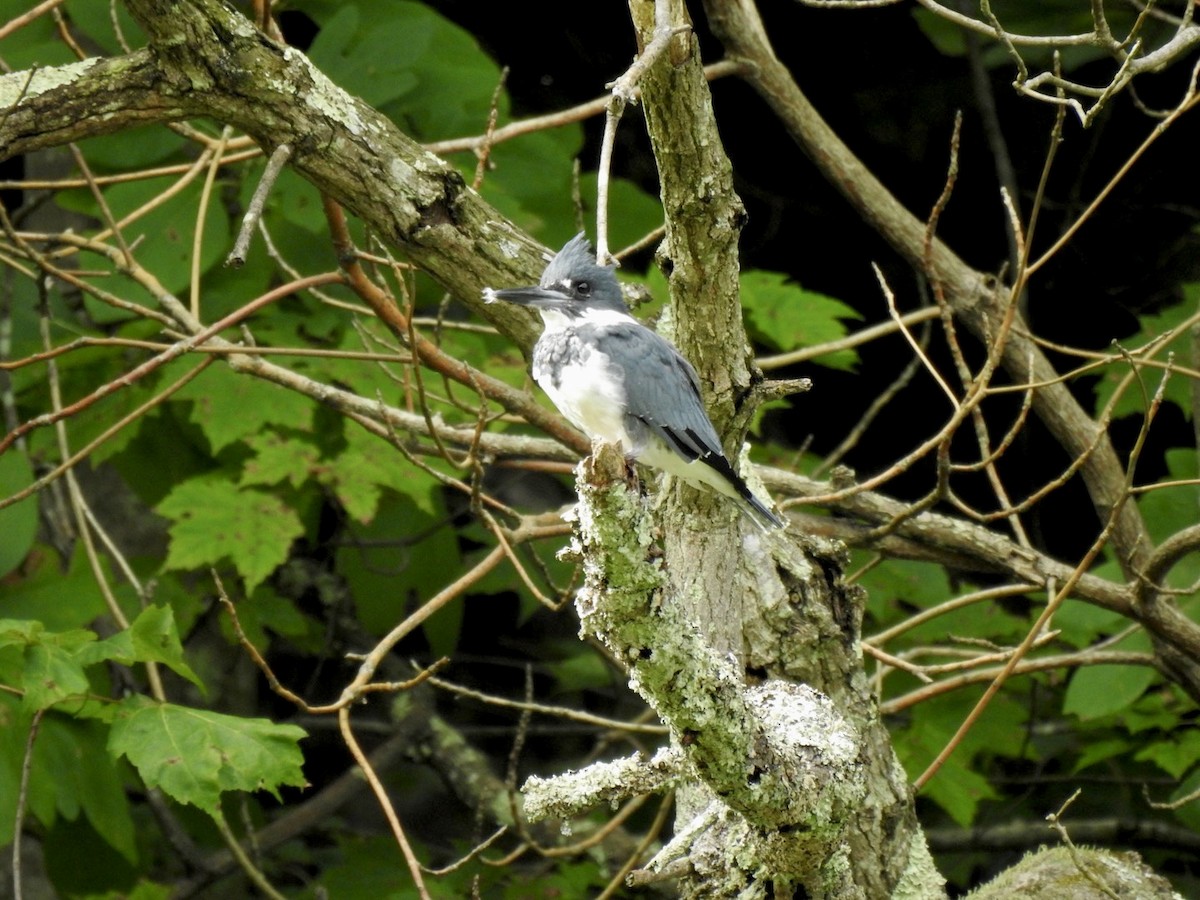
x,y
620,382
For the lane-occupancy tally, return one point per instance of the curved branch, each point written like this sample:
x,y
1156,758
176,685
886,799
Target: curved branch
x,y
205,59
1166,556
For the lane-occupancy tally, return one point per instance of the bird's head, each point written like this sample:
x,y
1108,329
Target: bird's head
x,y
573,284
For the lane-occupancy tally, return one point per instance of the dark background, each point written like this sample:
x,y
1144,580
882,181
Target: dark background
x,y
892,97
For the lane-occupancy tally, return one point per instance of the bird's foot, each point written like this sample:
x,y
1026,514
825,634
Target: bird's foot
x,y
610,463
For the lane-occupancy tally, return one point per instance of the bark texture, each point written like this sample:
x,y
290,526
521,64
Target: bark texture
x,y
778,608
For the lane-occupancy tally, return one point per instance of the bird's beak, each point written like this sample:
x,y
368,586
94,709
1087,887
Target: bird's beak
x,y
526,296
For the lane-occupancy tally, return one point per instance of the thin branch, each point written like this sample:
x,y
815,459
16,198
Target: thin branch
x,y
1189,101
622,94
912,342
241,246
167,356
569,116
1025,666
652,834
385,803
22,802
1055,819
1056,600
210,179
850,341
245,863
561,712
18,22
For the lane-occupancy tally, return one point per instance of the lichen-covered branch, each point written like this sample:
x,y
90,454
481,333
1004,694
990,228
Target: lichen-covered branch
x,y
572,793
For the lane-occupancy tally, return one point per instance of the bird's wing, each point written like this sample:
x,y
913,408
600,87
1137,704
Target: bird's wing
x,y
663,393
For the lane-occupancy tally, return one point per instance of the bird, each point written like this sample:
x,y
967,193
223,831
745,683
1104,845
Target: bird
x,y
623,383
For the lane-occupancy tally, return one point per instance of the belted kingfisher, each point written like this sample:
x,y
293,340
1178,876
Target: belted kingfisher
x,y
618,381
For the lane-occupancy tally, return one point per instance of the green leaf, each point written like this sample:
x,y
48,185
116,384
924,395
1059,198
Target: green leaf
x,y
1153,327
435,83
1098,751
70,772
1169,510
1097,691
51,670
1188,813
214,520
147,890
364,871
491,353
151,637
229,407
58,601
402,556
100,787
134,148
96,21
897,585
265,609
80,862
86,779
582,669
361,62
36,44
959,790
194,755
294,201
20,632
368,464
1153,712
784,316
18,523
279,458
531,181
959,787
633,213
52,673
1080,624
1175,755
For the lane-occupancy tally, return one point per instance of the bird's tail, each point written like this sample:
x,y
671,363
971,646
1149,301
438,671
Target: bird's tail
x,y
715,471
761,514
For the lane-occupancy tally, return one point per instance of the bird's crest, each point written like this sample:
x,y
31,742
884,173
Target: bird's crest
x,y
576,261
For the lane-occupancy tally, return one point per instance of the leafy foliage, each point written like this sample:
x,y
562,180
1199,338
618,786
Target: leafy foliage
x,y
195,755
783,316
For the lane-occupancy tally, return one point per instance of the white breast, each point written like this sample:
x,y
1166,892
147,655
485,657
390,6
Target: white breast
x,y
590,391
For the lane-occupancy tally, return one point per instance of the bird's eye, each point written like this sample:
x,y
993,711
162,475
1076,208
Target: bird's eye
x,y
584,288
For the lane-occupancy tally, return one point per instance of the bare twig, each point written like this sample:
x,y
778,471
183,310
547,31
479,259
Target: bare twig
x,y
1055,820
562,712
167,356
22,802
622,94
201,214
570,116
245,863
1056,599
241,246
18,22
385,803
